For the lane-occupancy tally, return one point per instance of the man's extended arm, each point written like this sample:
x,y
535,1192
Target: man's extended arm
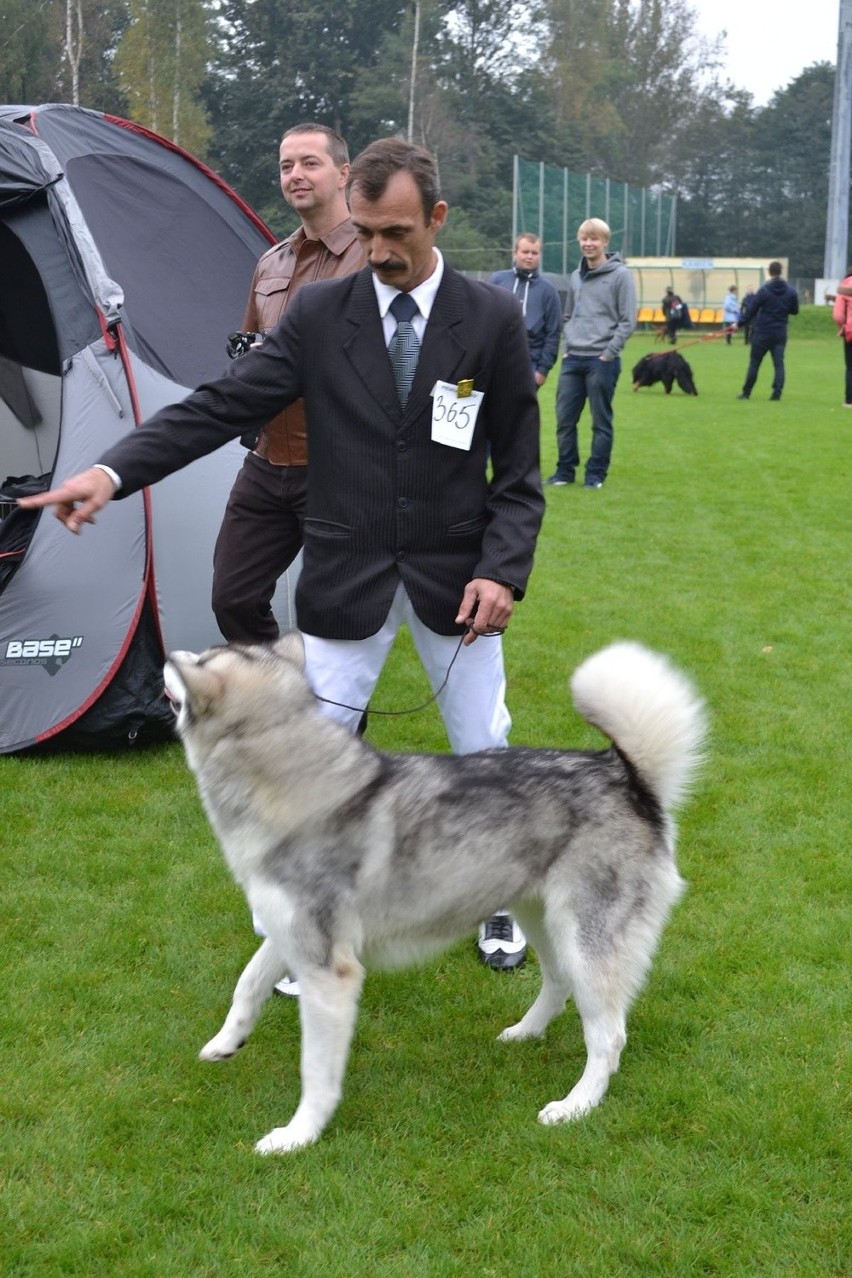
x,y
260,384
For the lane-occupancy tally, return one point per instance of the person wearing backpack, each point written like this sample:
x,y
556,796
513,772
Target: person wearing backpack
x,y
673,309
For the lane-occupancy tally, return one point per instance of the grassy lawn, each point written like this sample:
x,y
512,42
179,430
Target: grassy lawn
x,y
723,1147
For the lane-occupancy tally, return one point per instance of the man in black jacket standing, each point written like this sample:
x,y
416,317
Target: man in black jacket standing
x,y
766,313
424,494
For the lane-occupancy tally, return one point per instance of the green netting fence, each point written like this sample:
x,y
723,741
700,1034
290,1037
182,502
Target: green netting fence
x,y
553,202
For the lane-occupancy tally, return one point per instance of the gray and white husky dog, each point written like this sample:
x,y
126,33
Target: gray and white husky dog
x,y
353,858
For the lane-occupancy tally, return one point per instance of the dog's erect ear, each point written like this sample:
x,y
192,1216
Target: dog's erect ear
x,y
291,646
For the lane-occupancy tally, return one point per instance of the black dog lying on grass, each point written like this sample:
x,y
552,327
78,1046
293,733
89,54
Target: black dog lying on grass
x,y
668,369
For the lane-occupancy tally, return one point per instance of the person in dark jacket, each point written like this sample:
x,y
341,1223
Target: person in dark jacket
x,y
673,313
767,313
539,302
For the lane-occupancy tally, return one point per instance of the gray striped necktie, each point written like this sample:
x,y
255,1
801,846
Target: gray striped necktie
x,y
404,347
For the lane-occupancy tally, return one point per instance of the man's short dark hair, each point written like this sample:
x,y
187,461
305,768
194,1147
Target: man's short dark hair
x,y
373,169
336,145
775,268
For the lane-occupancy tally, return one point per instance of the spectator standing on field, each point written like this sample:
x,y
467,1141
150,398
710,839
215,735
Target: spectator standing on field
x,y
673,313
769,310
539,302
261,531
730,313
600,315
842,314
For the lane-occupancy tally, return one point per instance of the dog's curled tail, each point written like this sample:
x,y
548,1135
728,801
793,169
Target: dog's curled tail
x,y
649,709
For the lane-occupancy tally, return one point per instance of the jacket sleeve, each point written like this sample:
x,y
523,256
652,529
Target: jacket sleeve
x,y
552,330
515,501
625,300
251,322
258,386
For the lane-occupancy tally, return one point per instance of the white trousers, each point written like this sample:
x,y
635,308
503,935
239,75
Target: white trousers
x,y
472,705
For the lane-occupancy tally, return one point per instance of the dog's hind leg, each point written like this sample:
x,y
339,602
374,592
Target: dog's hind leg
x,y
555,984
606,976
604,1030
252,990
328,1003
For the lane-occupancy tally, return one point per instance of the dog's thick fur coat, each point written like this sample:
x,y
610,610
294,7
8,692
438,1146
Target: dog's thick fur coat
x,y
353,858
668,369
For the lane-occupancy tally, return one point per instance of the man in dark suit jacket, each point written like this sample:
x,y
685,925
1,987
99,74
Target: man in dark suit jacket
x,y
400,526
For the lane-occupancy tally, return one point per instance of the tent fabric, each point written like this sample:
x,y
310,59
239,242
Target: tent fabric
x,y
125,264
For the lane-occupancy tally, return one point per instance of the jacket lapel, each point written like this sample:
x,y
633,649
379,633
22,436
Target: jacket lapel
x,y
442,353
364,346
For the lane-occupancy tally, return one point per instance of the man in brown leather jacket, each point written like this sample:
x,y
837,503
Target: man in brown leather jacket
x,y
261,532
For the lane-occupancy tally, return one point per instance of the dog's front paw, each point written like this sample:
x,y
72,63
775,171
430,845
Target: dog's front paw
x,y
282,1140
561,1112
515,1033
220,1048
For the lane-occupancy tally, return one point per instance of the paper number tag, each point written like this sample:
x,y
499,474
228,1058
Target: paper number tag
x,y
454,417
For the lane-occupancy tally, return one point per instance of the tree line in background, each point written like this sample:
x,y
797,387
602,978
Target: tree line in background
x,y
624,89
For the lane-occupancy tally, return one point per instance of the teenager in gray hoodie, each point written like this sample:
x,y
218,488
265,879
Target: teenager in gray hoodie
x,y
600,315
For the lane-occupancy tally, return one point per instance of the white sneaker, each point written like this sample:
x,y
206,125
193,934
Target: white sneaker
x,y
501,944
288,986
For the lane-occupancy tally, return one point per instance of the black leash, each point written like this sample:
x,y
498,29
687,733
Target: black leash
x,y
482,634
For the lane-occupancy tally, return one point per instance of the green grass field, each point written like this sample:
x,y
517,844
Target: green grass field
x,y
723,1147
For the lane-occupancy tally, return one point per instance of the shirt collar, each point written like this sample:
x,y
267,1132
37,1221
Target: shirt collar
x,y
337,240
423,294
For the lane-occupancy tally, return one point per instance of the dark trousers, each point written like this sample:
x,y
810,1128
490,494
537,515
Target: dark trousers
x,y
761,346
585,378
261,535
847,351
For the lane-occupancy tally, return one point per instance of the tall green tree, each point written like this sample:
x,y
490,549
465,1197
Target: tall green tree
x,y
743,192
61,51
794,175
91,30
626,75
30,51
474,104
285,62
161,63
716,178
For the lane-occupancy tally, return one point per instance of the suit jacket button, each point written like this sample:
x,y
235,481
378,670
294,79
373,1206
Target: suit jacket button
x,y
402,502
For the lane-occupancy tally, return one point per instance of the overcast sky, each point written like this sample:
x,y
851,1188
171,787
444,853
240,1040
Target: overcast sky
x,y
770,41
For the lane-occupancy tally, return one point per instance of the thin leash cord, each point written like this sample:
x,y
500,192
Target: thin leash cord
x,y
693,341
490,634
